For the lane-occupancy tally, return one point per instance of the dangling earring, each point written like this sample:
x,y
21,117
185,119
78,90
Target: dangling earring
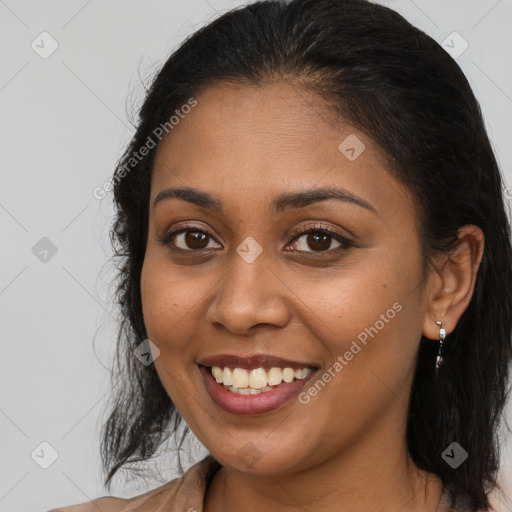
x,y
442,336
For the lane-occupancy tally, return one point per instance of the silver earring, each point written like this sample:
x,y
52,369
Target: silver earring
x,y
442,336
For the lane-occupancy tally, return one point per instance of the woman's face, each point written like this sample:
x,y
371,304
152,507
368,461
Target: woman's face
x,y
344,305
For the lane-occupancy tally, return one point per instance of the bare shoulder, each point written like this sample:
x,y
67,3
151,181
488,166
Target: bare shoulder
x,y
104,504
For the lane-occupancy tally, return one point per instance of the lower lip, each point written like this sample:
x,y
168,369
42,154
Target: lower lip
x,y
252,404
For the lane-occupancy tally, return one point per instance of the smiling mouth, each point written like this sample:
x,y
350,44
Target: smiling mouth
x,y
257,380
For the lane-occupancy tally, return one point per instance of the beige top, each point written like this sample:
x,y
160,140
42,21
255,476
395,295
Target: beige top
x,y
186,494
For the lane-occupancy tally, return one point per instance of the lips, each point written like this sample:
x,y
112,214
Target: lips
x,y
253,361
248,395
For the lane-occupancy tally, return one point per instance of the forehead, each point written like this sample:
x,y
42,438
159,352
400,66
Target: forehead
x,y
256,141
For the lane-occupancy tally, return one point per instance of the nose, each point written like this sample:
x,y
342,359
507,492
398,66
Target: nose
x,y
249,295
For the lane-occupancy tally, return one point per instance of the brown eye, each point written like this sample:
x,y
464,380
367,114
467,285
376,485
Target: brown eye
x,y
196,240
191,240
317,241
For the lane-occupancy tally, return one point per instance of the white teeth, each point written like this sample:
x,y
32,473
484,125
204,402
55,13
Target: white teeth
x,y
258,378
256,381
227,377
288,374
217,373
274,376
240,378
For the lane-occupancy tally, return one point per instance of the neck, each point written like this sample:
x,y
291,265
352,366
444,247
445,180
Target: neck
x,y
373,473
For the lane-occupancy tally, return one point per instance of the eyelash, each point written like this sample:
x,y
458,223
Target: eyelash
x,y
345,244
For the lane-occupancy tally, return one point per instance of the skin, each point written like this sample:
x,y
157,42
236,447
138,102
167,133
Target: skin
x,y
345,449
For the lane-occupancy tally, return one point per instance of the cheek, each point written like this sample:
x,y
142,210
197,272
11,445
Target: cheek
x,y
167,300
359,304
371,317
168,304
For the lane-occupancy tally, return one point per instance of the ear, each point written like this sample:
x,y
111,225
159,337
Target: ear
x,y
450,285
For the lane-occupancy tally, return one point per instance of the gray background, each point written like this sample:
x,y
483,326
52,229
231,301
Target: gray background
x,y
64,124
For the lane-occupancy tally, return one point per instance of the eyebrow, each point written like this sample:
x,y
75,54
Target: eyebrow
x,y
282,203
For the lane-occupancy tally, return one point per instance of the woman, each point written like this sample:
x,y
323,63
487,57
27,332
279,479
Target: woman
x,y
312,234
